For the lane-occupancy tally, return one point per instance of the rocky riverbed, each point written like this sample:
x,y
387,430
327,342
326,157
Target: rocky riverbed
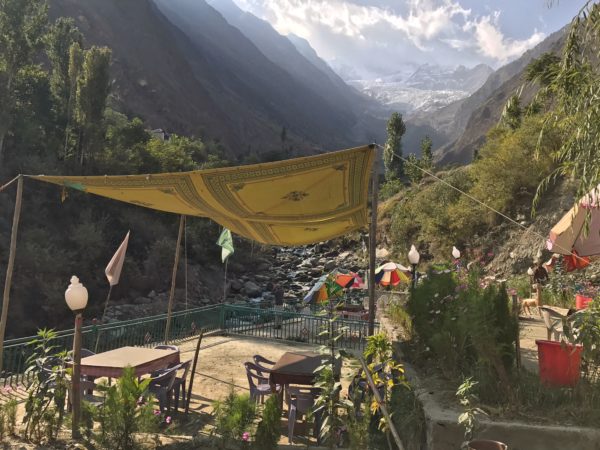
x,y
250,282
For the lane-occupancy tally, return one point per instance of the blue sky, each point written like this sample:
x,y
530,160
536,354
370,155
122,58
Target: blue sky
x,y
377,37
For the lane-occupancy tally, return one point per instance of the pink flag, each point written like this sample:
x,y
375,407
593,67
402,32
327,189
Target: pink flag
x,y
114,267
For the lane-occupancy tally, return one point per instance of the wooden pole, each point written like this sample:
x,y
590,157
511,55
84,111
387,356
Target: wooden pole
x,y
373,241
381,404
76,379
191,383
515,305
174,278
10,266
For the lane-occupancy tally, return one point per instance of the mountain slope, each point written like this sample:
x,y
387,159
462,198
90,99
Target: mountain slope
x,y
281,51
166,96
255,80
453,120
180,66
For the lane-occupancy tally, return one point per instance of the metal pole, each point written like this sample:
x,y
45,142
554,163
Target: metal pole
x,y
373,241
76,380
103,316
225,282
10,266
174,278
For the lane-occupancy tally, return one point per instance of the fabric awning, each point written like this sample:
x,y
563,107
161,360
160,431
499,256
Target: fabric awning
x,y
293,202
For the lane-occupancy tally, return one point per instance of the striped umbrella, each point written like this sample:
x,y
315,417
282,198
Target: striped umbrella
x,y
392,274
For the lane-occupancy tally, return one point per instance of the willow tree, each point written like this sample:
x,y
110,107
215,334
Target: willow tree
x,y
570,87
22,28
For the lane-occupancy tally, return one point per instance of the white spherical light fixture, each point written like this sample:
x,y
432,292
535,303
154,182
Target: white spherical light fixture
x,y
413,255
76,295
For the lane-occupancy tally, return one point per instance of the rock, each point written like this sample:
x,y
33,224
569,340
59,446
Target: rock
x,y
142,301
252,289
236,285
152,294
263,267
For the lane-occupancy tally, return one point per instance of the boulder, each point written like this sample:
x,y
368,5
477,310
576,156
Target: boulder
x,y
252,289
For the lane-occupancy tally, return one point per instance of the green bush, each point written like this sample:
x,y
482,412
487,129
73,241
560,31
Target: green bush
x,y
469,328
269,428
389,189
127,409
234,416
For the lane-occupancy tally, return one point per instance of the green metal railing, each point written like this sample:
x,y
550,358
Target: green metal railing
x,y
145,332
292,326
149,331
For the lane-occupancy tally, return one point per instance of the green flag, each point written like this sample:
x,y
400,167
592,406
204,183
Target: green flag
x,y
226,243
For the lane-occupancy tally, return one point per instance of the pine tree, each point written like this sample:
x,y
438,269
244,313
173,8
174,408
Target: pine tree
x,y
393,147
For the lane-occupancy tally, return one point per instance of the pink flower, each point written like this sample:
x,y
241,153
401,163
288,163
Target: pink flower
x,y
156,412
246,436
168,420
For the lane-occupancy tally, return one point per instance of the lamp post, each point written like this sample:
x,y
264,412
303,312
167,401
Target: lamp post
x,y
76,297
456,256
413,258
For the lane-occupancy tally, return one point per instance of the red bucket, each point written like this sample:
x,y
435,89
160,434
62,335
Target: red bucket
x,y
581,301
560,364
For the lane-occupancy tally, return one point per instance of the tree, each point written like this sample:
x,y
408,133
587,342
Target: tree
x,y
22,27
412,168
426,153
62,35
93,85
393,147
573,85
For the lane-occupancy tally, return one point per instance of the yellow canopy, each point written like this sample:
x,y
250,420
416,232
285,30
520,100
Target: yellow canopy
x,y
293,202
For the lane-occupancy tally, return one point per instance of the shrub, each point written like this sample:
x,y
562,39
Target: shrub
x,y
269,428
127,409
468,327
234,416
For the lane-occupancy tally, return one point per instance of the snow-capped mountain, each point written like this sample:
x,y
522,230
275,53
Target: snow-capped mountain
x,y
427,88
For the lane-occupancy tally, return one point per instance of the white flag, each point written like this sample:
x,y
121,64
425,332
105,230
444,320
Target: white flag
x,y
114,267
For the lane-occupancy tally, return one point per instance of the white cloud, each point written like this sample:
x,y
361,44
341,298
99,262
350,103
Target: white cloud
x,y
389,33
492,43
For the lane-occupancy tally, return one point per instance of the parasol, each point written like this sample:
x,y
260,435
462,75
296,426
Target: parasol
x,y
392,274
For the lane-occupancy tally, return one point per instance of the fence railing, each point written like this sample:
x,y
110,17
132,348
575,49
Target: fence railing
x,y
292,326
149,331
144,332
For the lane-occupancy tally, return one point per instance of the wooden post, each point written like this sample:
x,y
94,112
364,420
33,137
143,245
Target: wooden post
x,y
381,404
10,267
174,278
373,241
191,383
515,305
76,379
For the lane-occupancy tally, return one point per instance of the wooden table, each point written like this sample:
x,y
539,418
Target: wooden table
x,y
142,360
298,368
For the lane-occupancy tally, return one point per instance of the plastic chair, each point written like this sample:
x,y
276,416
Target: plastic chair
x,y
179,385
301,401
262,388
87,389
166,347
553,321
261,361
162,387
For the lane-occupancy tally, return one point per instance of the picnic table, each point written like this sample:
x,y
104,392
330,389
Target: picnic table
x,y
143,360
